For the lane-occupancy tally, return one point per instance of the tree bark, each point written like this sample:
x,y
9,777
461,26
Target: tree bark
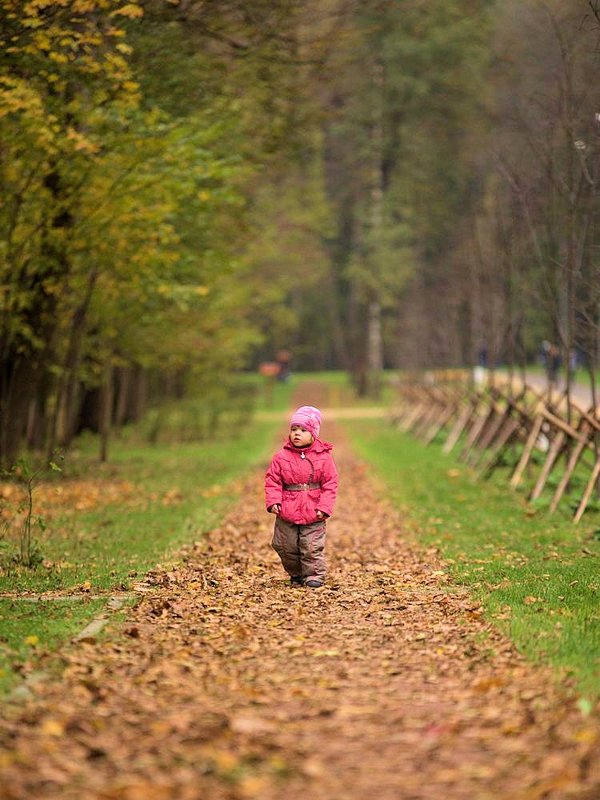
x,y
374,331
106,409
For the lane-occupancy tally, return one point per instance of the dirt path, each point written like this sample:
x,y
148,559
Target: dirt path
x,y
230,684
580,392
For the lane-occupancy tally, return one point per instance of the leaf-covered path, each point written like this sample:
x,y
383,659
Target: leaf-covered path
x,y
230,684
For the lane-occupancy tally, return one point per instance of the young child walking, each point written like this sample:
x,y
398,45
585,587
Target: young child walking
x,y
300,489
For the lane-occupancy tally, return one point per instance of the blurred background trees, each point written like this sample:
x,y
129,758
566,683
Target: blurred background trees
x,y
189,187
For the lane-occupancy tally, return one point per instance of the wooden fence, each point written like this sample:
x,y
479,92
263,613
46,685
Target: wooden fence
x,y
506,422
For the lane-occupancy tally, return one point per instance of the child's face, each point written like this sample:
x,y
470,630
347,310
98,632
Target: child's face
x,y
300,437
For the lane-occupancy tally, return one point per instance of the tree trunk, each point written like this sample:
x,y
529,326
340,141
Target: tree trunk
x,y
374,349
19,390
338,339
106,409
139,394
123,389
374,365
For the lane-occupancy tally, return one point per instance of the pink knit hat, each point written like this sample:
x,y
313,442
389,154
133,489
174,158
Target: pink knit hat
x,y
307,417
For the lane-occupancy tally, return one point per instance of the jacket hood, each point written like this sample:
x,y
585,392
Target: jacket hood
x,y
318,446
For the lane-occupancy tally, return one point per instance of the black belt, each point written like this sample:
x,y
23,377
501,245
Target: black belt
x,y
301,487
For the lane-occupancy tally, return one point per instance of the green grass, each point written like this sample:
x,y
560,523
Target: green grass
x,y
180,487
31,631
178,491
536,574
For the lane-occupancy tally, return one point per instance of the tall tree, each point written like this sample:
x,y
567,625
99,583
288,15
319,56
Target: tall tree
x,y
409,85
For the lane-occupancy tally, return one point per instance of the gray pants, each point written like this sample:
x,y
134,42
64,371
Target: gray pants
x,y
301,548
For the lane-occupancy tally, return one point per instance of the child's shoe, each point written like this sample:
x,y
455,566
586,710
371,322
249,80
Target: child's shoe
x,y
314,584
296,580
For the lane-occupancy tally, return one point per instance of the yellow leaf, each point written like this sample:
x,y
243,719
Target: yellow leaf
x,y
83,6
130,10
253,786
586,736
52,727
32,640
81,142
224,760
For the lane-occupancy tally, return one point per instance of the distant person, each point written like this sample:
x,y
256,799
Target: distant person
x,y
480,370
553,364
574,360
300,489
482,356
544,353
284,358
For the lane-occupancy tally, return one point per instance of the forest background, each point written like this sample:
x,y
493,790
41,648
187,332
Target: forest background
x,y
189,186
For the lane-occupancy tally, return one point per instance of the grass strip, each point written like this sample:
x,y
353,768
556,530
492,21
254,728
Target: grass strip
x,y
536,574
166,495
32,631
172,493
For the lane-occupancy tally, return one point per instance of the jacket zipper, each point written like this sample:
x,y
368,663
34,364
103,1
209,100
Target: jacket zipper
x,y
312,469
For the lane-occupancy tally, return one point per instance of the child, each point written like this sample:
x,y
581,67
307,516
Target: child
x,y
300,489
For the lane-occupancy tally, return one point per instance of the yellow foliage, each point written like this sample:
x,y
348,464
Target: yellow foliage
x,y
83,6
130,10
43,42
32,22
81,143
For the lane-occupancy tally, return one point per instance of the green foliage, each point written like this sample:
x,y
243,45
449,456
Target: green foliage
x,y
404,94
127,202
289,222
211,411
190,187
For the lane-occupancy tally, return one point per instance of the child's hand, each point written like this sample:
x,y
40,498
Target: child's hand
x,y
321,515
275,509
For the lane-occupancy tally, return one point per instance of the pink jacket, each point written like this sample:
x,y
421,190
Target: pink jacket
x,y
307,465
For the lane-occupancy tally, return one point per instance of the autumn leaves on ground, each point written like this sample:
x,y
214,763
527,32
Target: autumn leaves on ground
x,y
227,683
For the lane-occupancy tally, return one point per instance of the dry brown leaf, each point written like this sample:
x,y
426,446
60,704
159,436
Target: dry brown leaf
x,y
230,685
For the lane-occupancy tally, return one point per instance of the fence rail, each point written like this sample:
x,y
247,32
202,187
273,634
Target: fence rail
x,y
504,421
